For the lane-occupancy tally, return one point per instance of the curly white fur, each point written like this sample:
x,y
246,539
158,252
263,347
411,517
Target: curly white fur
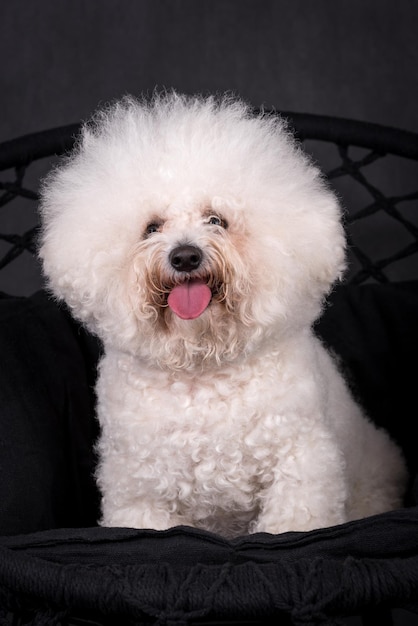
x,y
236,420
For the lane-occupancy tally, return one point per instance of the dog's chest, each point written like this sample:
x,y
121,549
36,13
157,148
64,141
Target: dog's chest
x,y
217,431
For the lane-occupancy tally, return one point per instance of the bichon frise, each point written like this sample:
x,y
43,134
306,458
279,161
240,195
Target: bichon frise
x,y
199,242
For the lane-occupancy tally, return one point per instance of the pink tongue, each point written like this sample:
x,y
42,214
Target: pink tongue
x,y
189,299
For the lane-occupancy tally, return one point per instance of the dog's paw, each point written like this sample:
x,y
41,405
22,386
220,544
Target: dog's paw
x,y
301,520
139,517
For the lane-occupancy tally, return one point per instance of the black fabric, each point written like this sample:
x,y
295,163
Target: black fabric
x,y
184,575
46,418
52,569
374,330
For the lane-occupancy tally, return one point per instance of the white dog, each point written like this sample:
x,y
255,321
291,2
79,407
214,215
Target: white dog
x,y
199,242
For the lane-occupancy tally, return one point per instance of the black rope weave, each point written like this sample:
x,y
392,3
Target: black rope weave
x,y
380,142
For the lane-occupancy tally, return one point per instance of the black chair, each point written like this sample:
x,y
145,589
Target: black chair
x,y
58,567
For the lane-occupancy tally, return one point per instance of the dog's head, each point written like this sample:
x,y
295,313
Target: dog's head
x,y
189,231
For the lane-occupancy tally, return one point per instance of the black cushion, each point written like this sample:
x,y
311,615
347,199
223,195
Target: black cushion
x,y
48,368
184,576
373,328
52,569
47,425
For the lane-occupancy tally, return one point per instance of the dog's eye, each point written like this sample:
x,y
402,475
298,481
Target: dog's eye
x,y
216,220
152,227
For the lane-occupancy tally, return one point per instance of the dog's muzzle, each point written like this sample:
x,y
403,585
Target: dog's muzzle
x,y
192,296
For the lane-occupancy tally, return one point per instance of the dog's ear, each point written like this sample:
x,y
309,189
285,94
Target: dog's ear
x,y
83,245
322,242
319,246
300,254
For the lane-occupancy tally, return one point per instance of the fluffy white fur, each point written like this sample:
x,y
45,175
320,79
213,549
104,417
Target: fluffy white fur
x,y
238,420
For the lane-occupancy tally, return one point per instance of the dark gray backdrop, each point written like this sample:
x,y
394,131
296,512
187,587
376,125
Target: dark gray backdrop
x,y
62,58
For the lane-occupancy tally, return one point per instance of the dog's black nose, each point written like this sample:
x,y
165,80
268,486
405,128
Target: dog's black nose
x,y
185,258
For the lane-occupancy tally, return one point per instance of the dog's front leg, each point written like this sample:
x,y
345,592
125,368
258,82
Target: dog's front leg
x,y
308,490
145,515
